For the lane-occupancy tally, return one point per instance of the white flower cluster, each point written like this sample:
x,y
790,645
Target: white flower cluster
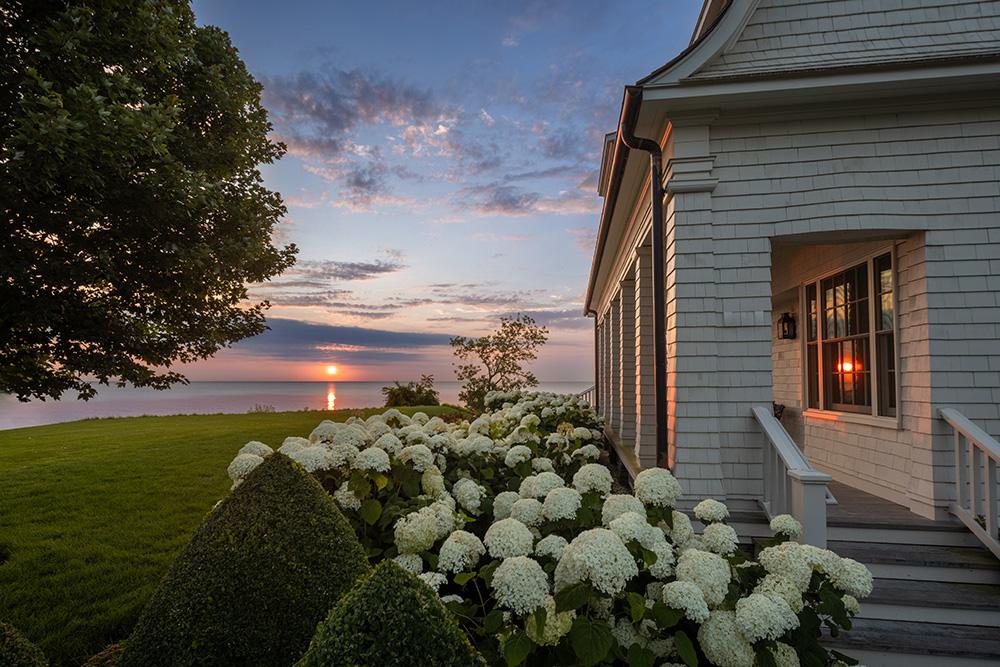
x,y
520,585
598,556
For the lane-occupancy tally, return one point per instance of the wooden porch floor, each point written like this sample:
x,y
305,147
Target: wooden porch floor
x,y
857,508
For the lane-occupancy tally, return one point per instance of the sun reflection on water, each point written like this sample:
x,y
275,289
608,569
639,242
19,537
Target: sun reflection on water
x,y
331,397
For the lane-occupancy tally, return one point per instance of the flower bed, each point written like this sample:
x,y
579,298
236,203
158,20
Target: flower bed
x,y
511,520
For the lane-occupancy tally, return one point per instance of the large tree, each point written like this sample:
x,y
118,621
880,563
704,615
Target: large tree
x,y
134,214
498,361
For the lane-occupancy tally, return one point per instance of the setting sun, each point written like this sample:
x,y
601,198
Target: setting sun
x,y
331,370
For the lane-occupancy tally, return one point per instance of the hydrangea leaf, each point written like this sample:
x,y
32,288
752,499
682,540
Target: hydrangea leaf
x,y
685,648
591,640
517,649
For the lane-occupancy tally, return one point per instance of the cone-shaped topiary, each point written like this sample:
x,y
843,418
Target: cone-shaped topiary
x,y
17,651
390,619
260,572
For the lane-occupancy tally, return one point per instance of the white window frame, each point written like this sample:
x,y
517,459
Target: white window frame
x,y
873,418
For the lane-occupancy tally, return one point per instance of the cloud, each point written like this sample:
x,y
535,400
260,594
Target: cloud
x,y
491,236
583,237
567,318
333,270
306,341
499,199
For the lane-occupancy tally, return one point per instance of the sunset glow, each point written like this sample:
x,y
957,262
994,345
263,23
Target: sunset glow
x,y
331,370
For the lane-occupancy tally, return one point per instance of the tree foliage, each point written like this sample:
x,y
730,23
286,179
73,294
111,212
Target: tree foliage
x,y
134,214
411,393
498,361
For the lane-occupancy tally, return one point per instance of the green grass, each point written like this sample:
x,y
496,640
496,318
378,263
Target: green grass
x,y
93,512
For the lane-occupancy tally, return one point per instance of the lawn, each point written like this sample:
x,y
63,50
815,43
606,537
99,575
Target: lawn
x,y
93,512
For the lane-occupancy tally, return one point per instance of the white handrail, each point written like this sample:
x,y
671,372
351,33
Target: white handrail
x,y
590,395
976,489
791,485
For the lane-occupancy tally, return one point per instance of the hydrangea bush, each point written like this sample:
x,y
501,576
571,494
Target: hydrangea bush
x,y
511,519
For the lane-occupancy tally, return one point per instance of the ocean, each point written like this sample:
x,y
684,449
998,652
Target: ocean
x,y
214,397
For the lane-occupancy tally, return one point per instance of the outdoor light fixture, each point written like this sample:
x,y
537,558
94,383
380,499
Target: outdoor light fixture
x,y
786,327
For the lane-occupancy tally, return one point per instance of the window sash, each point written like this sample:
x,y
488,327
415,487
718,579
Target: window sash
x,y
852,309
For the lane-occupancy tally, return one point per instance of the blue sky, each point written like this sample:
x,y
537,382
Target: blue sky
x,y
441,172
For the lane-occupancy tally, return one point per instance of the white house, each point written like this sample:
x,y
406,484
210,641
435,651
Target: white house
x,y
835,165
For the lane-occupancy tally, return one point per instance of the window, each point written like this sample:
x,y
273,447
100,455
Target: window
x,y
850,339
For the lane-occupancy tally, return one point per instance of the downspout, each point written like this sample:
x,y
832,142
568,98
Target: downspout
x,y
630,114
597,372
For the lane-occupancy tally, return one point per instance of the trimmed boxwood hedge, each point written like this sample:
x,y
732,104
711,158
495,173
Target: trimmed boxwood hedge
x,y
261,571
390,619
17,651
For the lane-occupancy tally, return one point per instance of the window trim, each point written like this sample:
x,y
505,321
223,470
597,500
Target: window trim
x,y
872,418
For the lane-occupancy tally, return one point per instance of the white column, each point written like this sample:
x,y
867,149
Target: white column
x,y
614,319
626,357
643,381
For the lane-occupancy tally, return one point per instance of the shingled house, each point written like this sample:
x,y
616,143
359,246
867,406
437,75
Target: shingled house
x,y
824,246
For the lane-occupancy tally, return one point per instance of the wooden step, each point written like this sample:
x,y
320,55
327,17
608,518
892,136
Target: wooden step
x,y
852,532
933,602
923,562
947,642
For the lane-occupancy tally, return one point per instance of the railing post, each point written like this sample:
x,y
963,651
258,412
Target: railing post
x,y
808,504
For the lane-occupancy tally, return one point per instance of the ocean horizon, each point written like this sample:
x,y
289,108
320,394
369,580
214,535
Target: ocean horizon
x,y
211,397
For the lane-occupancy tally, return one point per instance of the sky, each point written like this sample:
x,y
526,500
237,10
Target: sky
x,y
441,172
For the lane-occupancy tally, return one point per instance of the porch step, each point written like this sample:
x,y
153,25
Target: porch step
x,y
919,562
948,535
933,602
886,643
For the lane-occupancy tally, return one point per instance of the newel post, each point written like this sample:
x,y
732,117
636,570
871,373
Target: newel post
x,y
808,491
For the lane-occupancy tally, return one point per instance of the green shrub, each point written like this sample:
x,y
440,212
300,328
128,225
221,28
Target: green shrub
x,y
17,651
390,619
260,572
411,393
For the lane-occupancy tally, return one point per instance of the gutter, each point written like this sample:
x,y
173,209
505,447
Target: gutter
x,y
627,140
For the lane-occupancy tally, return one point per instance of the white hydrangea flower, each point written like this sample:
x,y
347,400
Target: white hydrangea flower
x,y
763,616
242,466
460,552
389,443
341,456
312,458
433,579
851,604
665,559
419,456
784,655
582,433
593,477
395,418
625,633
588,453
711,511
325,432
416,531
346,498
538,486
352,434
432,482
789,560
851,577
632,526
551,546
410,562
452,598
557,624
687,597
468,494
292,444
617,504
528,511
444,515
657,487
374,459
542,464
776,584
508,538
720,538
517,454
561,504
377,428
503,503
598,556
435,425
785,524
520,585
709,572
682,532
255,447
723,643
420,417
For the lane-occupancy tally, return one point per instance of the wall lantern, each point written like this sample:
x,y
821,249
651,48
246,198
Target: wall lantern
x,y
786,327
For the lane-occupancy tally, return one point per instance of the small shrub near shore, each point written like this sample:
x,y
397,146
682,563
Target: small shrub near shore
x,y
17,651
